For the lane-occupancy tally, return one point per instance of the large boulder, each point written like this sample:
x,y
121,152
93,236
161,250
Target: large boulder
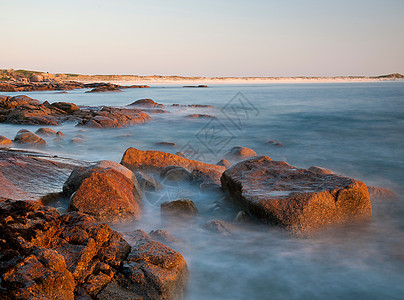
x,y
47,256
106,193
298,199
180,208
28,138
45,131
138,160
81,173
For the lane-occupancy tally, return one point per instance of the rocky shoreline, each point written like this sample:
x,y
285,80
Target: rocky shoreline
x,y
55,213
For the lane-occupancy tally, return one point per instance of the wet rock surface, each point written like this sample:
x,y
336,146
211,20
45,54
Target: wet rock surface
x,y
29,176
298,199
181,208
4,141
47,256
138,160
237,154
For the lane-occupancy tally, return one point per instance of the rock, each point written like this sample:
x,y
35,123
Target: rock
x,y
146,103
195,86
320,170
240,153
138,160
175,173
36,78
67,107
5,142
181,208
182,154
47,256
168,144
200,116
275,143
45,131
60,134
21,173
104,89
29,138
378,193
76,140
163,236
107,195
225,163
209,187
112,117
242,217
81,173
146,182
297,199
153,271
219,226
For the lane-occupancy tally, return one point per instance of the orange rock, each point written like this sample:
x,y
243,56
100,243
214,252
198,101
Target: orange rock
x,y
107,195
138,160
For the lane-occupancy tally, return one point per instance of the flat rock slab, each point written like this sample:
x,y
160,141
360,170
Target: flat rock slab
x,y
29,175
138,160
298,199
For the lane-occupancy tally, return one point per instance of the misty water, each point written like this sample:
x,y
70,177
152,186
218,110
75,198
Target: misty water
x,y
354,129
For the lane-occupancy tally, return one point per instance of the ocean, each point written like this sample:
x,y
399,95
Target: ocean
x,y
355,129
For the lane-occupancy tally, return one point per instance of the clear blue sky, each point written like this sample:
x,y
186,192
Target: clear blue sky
x,y
207,38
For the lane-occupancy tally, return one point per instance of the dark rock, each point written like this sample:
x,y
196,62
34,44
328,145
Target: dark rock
x,y
29,138
275,143
138,160
242,217
210,187
146,182
179,208
175,173
168,144
219,226
195,86
104,89
146,103
200,116
298,199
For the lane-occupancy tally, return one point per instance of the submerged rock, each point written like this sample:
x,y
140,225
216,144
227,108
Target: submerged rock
x,y
175,173
147,183
163,236
200,116
138,160
181,208
219,226
45,131
298,199
146,103
47,256
240,153
320,170
378,193
168,144
29,138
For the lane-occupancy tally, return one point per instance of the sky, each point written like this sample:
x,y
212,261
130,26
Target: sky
x,y
204,38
